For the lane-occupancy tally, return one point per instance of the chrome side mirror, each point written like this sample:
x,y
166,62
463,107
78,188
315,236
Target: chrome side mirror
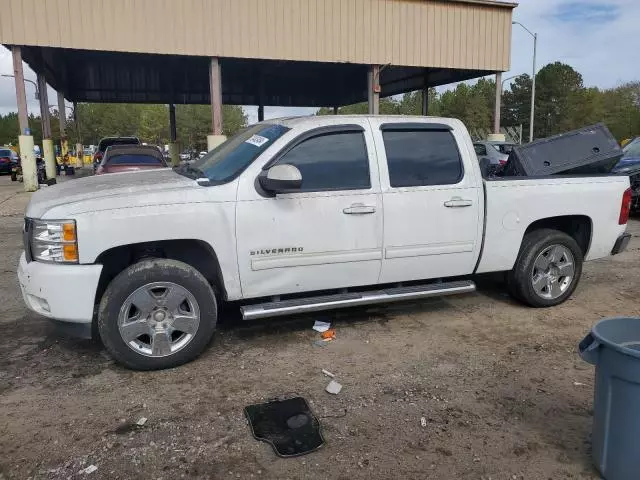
x,y
282,178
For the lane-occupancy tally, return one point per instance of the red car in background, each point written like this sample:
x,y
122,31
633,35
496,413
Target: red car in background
x,y
130,158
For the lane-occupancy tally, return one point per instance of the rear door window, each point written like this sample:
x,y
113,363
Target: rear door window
x,y
422,157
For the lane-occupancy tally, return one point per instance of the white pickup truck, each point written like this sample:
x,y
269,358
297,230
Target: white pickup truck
x,y
298,215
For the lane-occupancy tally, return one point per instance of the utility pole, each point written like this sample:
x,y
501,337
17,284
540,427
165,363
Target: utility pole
x,y
533,79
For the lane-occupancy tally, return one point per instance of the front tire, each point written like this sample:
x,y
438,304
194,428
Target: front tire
x,y
547,270
157,314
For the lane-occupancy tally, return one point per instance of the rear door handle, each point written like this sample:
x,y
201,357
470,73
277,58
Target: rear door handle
x,y
458,202
359,209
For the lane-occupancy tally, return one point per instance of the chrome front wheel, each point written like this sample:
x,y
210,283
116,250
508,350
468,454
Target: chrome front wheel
x,y
159,319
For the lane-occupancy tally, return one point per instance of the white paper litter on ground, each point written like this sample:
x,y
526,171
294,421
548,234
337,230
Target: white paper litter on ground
x,y
321,326
333,387
89,469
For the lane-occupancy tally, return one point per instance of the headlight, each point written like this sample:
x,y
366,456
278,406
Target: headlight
x,y
54,241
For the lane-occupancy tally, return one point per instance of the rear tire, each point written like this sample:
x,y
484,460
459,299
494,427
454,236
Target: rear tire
x,y
157,314
547,270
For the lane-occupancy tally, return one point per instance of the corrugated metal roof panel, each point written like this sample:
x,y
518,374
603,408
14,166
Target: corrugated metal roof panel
x,y
461,34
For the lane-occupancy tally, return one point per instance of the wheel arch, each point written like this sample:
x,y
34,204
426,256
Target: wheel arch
x,y
196,253
579,227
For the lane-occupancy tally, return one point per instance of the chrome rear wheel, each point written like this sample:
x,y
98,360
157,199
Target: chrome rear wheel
x,y
553,272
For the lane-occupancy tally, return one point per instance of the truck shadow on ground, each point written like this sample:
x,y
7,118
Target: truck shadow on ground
x,y
489,285
38,339
493,285
231,320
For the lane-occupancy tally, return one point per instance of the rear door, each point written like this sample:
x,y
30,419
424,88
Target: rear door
x,y
433,201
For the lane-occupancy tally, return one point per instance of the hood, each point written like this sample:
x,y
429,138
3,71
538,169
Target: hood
x,y
125,189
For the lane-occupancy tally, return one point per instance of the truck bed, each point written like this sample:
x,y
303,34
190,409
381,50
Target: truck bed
x,y
514,203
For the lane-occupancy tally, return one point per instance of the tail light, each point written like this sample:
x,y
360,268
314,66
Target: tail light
x,y
502,162
625,208
97,157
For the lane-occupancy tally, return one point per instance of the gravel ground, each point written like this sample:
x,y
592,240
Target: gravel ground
x,y
500,386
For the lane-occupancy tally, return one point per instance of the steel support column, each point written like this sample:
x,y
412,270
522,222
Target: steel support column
x,y
47,144
173,136
425,96
373,89
62,120
215,84
496,115
25,140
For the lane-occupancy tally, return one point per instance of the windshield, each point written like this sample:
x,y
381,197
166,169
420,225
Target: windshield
x,y
228,160
632,149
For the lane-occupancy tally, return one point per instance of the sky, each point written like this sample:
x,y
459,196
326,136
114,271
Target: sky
x,y
599,38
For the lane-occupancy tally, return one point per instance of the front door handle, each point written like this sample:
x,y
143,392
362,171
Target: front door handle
x,y
458,202
359,209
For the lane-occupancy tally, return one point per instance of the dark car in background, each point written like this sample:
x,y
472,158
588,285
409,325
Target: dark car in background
x,y
130,158
629,164
108,142
8,159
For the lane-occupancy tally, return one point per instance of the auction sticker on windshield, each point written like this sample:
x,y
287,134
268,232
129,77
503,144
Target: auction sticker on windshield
x,y
257,140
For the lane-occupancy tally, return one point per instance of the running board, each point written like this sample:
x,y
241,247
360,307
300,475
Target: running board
x,y
328,302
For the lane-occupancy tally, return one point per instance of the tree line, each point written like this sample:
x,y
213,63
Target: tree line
x,y
150,123
562,103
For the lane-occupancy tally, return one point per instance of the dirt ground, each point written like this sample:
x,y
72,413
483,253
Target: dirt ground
x,y
502,390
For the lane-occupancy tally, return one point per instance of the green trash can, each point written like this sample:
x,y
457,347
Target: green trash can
x,y
613,346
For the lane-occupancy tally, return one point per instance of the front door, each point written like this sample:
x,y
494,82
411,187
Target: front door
x,y
433,202
328,235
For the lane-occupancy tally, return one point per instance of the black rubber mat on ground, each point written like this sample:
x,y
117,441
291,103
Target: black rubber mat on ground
x,y
288,425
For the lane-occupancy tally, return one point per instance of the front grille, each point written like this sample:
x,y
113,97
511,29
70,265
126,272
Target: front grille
x,y
26,238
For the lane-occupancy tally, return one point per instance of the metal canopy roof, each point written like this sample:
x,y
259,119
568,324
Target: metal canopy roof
x,y
116,77
284,52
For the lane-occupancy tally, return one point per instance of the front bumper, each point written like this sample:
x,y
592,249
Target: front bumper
x,y
621,244
59,292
